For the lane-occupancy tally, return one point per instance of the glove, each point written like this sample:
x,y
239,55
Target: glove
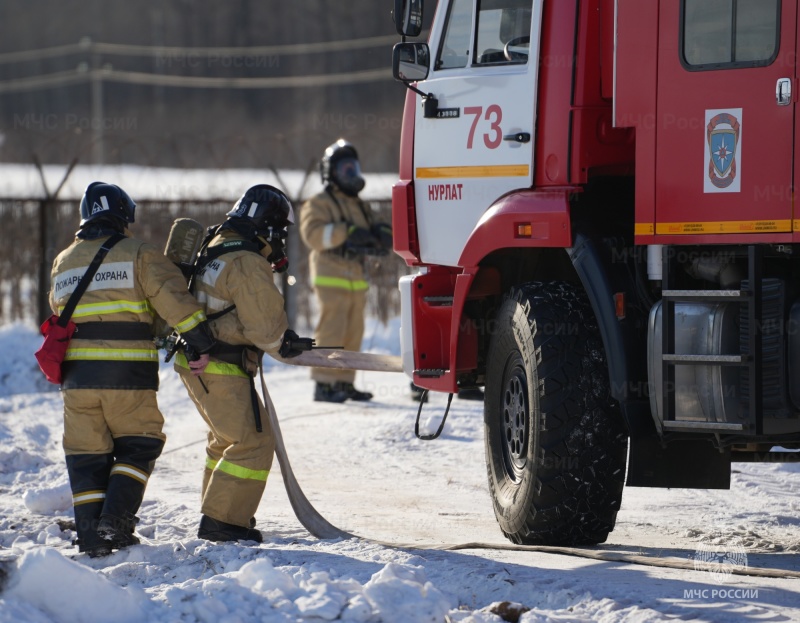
x,y
293,345
383,233
360,242
358,237
200,339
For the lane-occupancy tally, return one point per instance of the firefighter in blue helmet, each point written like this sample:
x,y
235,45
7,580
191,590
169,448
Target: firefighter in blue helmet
x,y
112,423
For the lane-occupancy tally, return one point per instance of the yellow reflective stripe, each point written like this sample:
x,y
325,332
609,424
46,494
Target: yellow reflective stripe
x,y
725,227
111,354
237,471
498,170
131,471
341,283
191,322
213,367
88,497
211,463
111,307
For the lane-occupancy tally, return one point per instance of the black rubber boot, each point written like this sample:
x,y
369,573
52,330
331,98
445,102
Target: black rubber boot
x,y
88,478
214,530
117,533
135,458
325,392
352,392
88,541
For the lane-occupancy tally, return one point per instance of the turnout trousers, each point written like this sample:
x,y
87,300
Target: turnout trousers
x,y
112,439
341,323
238,458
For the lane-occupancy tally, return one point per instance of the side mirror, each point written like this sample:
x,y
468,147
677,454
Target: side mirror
x,y
408,17
411,61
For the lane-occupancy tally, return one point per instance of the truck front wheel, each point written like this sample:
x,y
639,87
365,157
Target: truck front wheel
x,y
555,439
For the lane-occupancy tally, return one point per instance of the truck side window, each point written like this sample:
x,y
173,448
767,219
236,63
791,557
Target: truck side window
x,y
735,33
455,46
504,31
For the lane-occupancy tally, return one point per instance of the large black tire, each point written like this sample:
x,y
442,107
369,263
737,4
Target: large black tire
x,y
555,440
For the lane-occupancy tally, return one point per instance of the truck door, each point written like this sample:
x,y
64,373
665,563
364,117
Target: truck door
x,y
480,143
725,116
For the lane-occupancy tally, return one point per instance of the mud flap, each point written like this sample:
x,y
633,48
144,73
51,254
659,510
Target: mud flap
x,y
690,464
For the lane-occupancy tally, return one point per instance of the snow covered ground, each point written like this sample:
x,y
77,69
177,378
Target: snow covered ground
x,y
364,470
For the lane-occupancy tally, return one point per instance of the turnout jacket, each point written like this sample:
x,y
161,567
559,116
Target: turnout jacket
x,y
113,346
241,282
324,223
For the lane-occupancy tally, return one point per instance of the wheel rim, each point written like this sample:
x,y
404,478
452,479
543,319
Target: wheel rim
x,y
516,426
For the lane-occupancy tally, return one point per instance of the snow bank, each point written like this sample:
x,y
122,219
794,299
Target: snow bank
x,y
402,594
48,499
47,583
396,594
44,585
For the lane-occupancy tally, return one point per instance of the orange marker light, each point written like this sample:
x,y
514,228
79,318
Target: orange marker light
x,y
619,305
523,230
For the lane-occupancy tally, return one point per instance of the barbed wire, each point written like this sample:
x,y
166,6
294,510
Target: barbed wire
x,y
83,74
90,47
78,76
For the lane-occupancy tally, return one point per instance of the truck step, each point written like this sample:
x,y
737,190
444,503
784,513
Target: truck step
x,y
705,295
719,360
704,427
430,372
442,301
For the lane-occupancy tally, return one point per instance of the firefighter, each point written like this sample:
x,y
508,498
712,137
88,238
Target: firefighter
x,y
234,280
341,231
112,423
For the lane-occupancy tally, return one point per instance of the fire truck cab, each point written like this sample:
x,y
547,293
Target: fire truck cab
x,y
598,198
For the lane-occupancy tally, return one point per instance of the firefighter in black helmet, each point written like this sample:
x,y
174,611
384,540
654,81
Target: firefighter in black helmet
x,y
234,281
112,423
341,231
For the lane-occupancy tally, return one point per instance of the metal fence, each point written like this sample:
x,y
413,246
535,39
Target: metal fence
x,y
35,231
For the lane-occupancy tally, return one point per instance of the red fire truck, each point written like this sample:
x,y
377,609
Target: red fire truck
x,y
598,198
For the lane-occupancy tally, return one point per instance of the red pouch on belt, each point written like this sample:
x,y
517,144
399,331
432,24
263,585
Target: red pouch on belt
x,y
54,348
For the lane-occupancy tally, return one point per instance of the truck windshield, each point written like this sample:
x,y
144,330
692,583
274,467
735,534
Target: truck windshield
x,y
454,51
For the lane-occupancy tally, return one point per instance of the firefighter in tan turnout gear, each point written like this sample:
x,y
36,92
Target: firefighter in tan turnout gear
x,y
341,231
112,424
234,280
